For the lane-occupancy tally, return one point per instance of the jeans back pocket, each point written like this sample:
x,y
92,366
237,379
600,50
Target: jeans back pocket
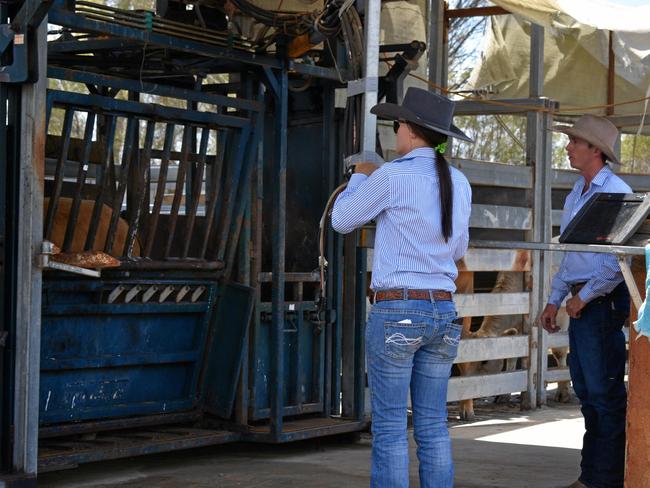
x,y
451,338
402,340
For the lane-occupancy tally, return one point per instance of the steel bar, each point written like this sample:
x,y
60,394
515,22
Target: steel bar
x,y
103,184
212,196
58,174
131,142
81,181
151,88
196,190
279,254
243,196
178,192
28,278
160,189
153,111
231,192
137,215
553,247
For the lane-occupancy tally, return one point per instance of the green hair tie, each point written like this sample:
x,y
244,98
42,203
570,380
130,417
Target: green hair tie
x,y
441,148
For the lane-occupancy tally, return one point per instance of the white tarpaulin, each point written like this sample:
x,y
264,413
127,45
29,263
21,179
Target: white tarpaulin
x,y
577,13
576,55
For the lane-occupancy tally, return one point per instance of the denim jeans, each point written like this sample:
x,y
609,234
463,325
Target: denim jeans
x,y
411,343
597,365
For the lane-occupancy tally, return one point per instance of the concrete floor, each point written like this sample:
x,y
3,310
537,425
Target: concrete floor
x,y
503,448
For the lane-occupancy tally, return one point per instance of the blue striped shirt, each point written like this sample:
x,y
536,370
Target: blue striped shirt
x,y
601,272
403,197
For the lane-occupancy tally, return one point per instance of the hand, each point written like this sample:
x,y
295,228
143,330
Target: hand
x,y
365,168
548,319
574,306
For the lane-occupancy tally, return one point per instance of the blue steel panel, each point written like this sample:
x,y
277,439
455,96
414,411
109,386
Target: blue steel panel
x,y
299,360
102,360
226,348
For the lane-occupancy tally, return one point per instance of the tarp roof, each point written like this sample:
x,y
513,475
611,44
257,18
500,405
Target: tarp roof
x,y
576,53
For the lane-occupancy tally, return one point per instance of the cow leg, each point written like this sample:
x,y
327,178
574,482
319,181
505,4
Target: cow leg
x,y
563,393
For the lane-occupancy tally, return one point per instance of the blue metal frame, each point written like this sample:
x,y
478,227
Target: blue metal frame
x,y
106,360
309,356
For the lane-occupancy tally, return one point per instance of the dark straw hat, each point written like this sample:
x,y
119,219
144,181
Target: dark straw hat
x,y
424,108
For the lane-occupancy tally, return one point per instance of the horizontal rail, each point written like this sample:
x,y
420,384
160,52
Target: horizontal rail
x,y
484,304
466,387
490,348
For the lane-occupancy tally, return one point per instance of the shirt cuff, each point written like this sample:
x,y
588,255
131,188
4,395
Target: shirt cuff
x,y
587,294
556,298
356,179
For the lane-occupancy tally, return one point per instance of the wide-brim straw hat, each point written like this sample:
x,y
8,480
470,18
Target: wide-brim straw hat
x,y
596,130
424,108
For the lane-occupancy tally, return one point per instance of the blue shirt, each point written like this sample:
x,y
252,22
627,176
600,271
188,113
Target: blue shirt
x,y
601,272
403,197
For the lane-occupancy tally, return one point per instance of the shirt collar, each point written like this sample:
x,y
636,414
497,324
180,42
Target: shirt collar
x,y
420,152
599,180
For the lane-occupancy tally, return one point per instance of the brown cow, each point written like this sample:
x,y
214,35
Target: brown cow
x,y
494,326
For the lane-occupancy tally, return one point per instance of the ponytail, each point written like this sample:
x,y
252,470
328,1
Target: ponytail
x,y
445,189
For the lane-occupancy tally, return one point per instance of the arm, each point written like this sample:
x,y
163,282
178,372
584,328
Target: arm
x,y
559,287
363,199
464,212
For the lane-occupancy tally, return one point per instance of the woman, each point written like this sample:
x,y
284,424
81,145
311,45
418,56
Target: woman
x,y
422,209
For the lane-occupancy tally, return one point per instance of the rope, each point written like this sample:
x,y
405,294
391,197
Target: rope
x,y
531,108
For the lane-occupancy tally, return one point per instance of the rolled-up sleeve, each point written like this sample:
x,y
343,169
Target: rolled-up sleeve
x,y
363,200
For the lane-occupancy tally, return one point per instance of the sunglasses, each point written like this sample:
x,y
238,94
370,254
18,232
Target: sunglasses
x,y
396,124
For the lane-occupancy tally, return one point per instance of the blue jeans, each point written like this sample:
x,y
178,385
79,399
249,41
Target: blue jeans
x,y
411,343
597,365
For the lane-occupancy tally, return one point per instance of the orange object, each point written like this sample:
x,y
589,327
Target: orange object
x,y
299,46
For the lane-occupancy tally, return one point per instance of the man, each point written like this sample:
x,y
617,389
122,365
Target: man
x,y
598,307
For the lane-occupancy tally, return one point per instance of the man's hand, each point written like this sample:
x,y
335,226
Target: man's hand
x,y
574,306
365,168
548,318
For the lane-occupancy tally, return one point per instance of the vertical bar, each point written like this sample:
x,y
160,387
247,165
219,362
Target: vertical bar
x,y
178,192
160,189
370,73
232,187
196,190
131,142
29,275
99,201
81,181
243,196
58,174
611,74
359,336
140,192
437,45
349,322
535,157
245,276
299,364
279,243
256,252
212,196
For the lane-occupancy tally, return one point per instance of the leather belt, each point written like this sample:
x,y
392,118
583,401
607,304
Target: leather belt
x,y
576,287
401,294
